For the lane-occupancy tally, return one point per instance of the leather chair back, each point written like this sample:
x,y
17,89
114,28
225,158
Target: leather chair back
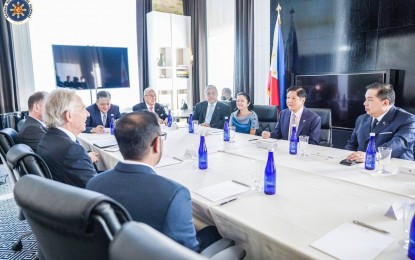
x,y
326,136
231,104
267,117
22,160
20,124
8,138
140,241
69,222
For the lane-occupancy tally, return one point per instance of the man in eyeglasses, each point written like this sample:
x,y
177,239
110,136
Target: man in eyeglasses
x,y
151,105
152,199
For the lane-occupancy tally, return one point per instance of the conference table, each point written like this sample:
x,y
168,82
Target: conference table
x,y
315,194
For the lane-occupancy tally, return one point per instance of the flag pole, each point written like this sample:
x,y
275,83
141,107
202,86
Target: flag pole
x,y
278,11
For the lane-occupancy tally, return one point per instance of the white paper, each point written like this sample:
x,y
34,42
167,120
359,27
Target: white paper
x,y
351,241
167,161
222,191
106,143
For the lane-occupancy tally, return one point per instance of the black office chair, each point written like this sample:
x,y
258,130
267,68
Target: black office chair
x,y
23,161
267,117
326,135
8,138
68,222
20,124
140,241
231,104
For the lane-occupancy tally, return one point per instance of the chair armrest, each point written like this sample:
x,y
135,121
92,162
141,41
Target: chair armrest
x,y
233,252
217,247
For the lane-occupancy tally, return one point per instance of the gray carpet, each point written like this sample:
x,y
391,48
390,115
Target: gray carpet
x,y
10,226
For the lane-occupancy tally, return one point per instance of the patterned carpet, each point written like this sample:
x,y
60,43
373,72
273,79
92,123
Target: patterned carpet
x,y
11,227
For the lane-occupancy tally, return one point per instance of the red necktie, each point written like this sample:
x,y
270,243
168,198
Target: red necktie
x,y
151,109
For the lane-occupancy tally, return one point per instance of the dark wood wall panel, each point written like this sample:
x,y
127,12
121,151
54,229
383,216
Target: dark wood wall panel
x,y
341,36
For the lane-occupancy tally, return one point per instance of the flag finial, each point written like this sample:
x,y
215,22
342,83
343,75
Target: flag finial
x,y
279,10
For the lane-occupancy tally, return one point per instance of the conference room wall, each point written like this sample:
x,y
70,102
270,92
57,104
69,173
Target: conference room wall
x,y
84,23
337,36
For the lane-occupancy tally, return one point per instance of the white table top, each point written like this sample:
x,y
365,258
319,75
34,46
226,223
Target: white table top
x,y
314,194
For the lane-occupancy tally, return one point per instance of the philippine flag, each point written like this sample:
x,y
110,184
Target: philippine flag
x,y
276,78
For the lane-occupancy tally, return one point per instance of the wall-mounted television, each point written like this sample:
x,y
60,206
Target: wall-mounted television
x,y
90,67
344,94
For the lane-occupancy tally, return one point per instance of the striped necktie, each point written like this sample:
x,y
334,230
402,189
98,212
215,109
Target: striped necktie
x,y
104,120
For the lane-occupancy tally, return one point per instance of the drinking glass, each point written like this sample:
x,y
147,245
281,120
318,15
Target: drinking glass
x,y
192,153
384,158
303,144
408,213
195,126
256,169
232,131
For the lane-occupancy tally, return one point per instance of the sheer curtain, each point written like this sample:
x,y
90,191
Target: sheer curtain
x,y
244,47
8,83
197,10
143,7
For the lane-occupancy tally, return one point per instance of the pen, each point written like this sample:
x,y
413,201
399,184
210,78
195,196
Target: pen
x,y
177,159
369,226
240,183
226,202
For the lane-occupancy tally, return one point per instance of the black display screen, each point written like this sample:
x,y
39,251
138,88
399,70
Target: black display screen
x,y
344,94
90,67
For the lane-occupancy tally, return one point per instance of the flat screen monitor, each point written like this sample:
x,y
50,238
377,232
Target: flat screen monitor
x,y
90,67
344,94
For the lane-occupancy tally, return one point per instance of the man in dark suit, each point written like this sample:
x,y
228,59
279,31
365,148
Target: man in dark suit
x,y
100,113
307,122
211,113
149,198
393,126
33,128
226,94
150,104
65,115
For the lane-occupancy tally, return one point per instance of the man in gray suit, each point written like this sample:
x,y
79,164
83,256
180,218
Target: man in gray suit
x,y
33,128
211,113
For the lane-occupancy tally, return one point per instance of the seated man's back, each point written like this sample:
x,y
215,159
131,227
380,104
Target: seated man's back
x,y
161,203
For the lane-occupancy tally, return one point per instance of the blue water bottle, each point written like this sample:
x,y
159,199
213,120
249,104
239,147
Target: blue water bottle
x,y
112,124
370,160
293,140
226,130
203,154
169,119
191,127
411,246
270,174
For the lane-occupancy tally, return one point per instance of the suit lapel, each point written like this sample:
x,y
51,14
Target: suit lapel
x,y
385,121
302,121
286,124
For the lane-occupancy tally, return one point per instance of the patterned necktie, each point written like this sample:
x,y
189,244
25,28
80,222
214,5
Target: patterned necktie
x,y
374,123
209,114
151,109
104,119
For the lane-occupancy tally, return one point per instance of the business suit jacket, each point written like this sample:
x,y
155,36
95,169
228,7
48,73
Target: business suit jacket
x,y
158,109
396,130
31,133
310,124
218,118
149,198
95,119
67,160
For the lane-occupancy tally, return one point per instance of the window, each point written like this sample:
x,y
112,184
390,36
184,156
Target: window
x,y
221,43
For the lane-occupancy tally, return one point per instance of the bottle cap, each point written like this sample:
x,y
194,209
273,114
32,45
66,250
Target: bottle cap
x,y
226,117
112,114
294,125
372,134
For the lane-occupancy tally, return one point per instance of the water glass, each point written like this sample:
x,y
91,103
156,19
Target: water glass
x,y
195,126
192,153
303,145
408,213
384,158
256,169
232,131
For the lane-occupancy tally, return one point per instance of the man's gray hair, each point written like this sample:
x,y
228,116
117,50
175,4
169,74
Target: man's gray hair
x,y
57,104
149,89
211,87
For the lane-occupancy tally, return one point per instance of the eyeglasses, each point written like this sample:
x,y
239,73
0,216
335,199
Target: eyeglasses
x,y
152,96
163,136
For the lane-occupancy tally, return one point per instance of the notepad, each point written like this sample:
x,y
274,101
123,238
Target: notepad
x,y
350,241
222,191
105,143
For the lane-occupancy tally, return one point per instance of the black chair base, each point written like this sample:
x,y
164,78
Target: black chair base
x,y
18,245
